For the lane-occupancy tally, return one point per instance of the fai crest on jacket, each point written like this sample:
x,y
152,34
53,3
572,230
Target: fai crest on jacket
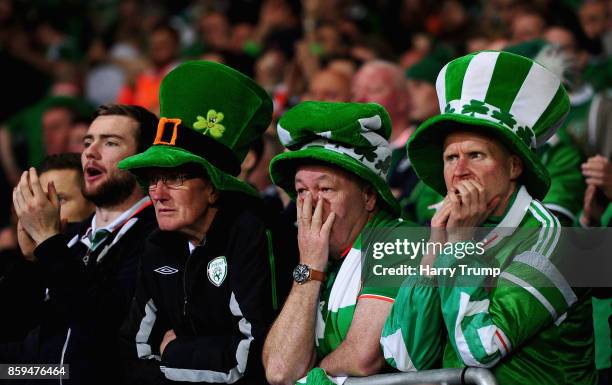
x,y
217,270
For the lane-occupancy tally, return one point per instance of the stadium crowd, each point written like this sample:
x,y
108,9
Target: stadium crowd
x,y
188,188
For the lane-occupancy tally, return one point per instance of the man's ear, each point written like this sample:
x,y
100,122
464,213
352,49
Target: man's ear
x,y
213,196
516,167
248,164
369,197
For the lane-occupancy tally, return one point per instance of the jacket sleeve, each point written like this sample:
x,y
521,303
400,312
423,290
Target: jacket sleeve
x,y
228,358
141,336
101,300
413,336
64,272
530,294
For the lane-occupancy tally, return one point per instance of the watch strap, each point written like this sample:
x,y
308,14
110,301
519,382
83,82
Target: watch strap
x,y
316,275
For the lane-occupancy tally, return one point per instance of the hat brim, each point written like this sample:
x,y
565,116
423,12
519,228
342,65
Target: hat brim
x,y
425,149
283,168
168,157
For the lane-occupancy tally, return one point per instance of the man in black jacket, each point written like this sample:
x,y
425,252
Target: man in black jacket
x,y
91,278
214,275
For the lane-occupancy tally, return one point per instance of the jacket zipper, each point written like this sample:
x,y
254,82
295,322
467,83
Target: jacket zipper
x,y
185,297
185,300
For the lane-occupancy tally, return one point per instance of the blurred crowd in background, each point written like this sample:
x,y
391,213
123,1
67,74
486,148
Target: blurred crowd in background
x,y
62,58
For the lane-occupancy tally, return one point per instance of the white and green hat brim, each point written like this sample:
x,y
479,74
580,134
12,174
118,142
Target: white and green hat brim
x,y
283,169
170,157
509,96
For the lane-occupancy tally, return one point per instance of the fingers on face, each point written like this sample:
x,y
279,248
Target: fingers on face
x,y
465,197
318,213
17,201
326,228
35,183
23,187
52,193
307,207
298,206
453,197
445,212
442,214
474,193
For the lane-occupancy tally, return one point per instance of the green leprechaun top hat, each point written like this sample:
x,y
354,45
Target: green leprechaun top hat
x,y
427,69
509,96
352,136
210,115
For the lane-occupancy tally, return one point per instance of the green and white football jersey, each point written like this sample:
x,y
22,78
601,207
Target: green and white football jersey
x,y
531,327
344,287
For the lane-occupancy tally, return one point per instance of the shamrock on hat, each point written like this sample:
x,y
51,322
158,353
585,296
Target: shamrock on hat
x,y
509,96
211,124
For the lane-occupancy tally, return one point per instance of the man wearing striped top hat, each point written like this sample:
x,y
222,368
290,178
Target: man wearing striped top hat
x,y
526,323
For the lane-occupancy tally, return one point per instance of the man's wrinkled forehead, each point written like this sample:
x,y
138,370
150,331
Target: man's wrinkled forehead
x,y
470,139
318,172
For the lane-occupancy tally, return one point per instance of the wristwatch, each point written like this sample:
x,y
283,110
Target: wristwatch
x,y
303,273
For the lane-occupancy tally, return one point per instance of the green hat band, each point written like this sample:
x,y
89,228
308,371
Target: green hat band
x,y
172,132
216,101
505,88
482,110
367,145
377,159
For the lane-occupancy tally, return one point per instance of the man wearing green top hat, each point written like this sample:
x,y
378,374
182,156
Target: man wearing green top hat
x,y
208,286
336,167
530,326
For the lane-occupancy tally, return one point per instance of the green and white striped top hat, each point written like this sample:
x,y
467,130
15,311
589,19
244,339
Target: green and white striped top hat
x,y
352,136
506,95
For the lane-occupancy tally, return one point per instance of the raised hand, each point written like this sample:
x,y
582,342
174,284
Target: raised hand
x,y
313,233
593,208
598,172
38,212
469,210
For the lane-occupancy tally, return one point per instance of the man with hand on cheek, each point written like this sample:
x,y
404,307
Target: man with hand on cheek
x,y
91,277
482,178
527,324
336,168
66,172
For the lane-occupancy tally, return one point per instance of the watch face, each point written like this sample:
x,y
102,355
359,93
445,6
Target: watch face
x,y
301,273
